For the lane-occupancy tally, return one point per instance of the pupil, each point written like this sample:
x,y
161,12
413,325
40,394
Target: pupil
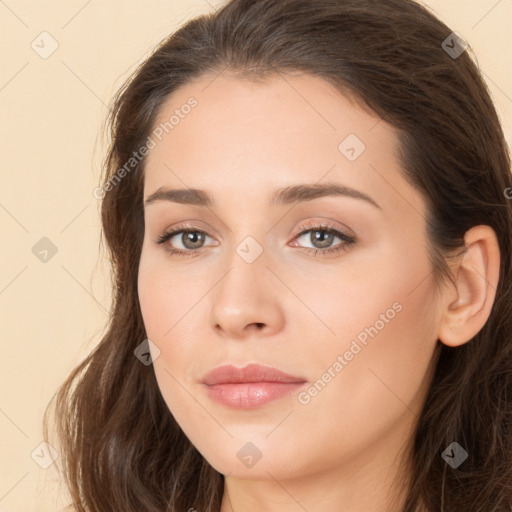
x,y
189,237
323,237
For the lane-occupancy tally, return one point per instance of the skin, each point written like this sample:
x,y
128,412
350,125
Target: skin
x,y
341,450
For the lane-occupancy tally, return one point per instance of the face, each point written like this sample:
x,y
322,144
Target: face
x,y
332,287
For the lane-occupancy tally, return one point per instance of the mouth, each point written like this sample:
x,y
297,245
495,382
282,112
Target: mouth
x,y
249,387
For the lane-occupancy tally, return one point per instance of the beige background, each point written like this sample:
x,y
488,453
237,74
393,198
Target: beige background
x,y
52,110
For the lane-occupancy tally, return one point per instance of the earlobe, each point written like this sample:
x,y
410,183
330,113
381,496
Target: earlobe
x,y
469,305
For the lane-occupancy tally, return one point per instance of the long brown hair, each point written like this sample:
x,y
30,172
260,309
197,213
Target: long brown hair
x,y
120,445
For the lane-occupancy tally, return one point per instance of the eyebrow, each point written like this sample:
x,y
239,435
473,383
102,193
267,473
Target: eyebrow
x,y
281,197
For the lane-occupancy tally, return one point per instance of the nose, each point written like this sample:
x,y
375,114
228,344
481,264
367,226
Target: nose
x,y
247,301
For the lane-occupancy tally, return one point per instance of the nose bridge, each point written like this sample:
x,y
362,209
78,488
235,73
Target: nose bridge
x,y
246,268
244,295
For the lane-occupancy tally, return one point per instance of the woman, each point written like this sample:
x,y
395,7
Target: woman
x,y
307,206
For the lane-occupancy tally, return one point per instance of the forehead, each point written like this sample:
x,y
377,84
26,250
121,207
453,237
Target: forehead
x,y
284,108
286,129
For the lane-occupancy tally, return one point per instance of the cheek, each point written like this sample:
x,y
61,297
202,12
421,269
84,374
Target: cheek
x,y
171,305
367,389
380,356
163,303
165,296
382,319
150,292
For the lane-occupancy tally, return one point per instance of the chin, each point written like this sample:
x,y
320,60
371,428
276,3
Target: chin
x,y
246,461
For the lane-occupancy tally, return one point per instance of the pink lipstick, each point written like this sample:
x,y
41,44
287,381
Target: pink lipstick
x,y
249,387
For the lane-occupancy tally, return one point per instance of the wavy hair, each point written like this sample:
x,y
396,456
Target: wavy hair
x,y
121,447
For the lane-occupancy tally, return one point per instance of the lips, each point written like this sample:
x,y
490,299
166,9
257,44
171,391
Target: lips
x,y
229,374
249,387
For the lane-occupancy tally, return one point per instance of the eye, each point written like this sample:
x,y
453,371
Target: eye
x,y
191,239
322,237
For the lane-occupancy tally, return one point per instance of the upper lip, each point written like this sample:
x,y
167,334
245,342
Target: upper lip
x,y
227,374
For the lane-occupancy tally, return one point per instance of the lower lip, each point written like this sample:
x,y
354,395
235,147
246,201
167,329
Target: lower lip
x,y
250,395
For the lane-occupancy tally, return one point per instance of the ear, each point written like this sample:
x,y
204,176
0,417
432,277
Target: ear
x,y
468,305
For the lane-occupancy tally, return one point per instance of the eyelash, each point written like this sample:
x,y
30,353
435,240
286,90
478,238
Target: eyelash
x,y
327,228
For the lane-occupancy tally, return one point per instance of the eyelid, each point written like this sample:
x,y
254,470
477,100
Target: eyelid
x,y
305,226
174,231
190,226
325,223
